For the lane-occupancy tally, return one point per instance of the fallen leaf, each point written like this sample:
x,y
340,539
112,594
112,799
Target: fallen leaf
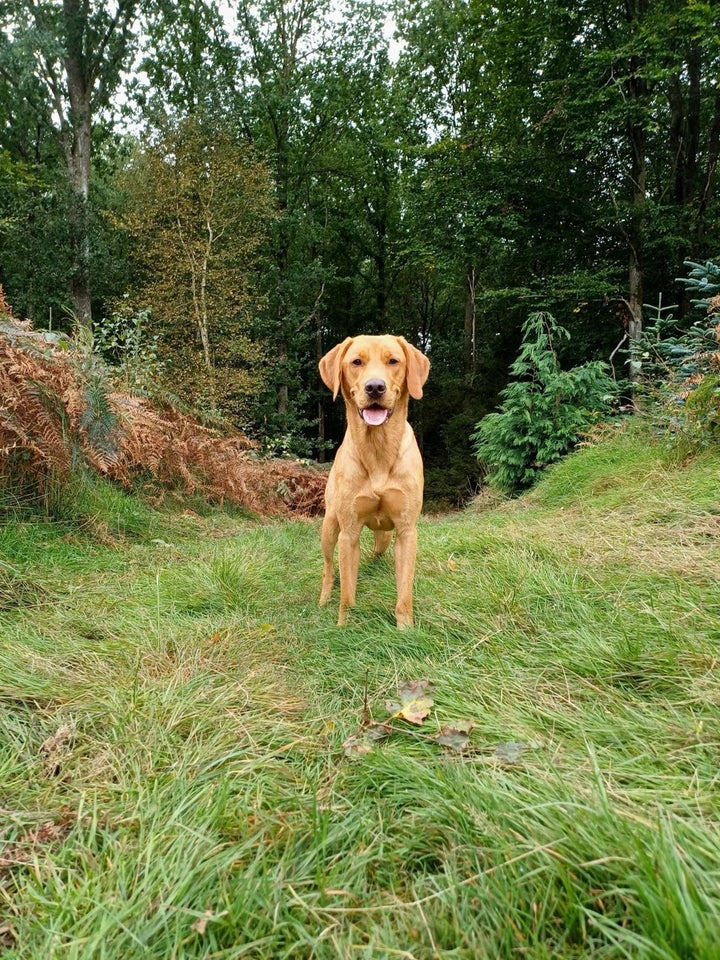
x,y
455,736
200,925
510,752
56,749
415,701
8,936
363,741
60,740
25,847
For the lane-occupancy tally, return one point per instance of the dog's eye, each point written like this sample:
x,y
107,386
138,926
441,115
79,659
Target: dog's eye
x,y
393,361
357,362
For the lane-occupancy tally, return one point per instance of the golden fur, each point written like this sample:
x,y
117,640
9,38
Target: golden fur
x,y
377,478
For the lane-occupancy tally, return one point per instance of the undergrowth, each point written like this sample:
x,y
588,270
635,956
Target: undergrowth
x,y
64,424
174,707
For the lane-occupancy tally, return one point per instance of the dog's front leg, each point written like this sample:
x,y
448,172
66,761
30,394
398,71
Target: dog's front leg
x,y
349,561
328,539
405,553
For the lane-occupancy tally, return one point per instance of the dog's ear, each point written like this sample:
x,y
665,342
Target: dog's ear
x,y
418,368
331,366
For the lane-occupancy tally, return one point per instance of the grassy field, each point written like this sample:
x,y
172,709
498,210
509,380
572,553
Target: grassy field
x,y
174,705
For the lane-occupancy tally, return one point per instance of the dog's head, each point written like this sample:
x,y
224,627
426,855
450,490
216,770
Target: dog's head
x,y
374,374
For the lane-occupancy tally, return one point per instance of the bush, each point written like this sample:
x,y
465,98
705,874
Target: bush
x,y
56,417
123,342
544,411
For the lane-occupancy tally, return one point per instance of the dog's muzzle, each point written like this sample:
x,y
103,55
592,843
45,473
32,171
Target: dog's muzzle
x,y
375,415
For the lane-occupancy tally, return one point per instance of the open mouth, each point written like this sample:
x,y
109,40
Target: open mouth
x,y
374,415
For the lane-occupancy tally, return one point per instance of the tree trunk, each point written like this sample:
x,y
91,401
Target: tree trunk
x,y
685,127
636,243
635,309
381,265
713,154
638,175
77,154
637,92
80,247
320,404
470,320
283,393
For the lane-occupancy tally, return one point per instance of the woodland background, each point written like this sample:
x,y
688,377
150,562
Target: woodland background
x,y
221,192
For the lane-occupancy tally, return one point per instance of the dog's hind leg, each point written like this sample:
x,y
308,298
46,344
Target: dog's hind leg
x,y
382,541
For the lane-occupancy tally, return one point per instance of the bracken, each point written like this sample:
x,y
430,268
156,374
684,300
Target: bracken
x,y
59,413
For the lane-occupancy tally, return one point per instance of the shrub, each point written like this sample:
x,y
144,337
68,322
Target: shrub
x,y
544,411
123,342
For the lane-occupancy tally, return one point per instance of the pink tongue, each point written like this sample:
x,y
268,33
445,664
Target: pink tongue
x,y
374,416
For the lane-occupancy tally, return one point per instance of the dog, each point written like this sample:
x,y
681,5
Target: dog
x,y
376,480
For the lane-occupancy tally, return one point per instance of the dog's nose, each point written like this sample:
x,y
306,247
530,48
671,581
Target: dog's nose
x,y
375,388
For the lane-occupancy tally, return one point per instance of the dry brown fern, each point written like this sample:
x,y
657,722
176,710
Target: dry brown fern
x,y
178,451
5,308
33,439
44,434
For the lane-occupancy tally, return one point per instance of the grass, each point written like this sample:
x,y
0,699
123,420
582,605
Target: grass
x,y
174,706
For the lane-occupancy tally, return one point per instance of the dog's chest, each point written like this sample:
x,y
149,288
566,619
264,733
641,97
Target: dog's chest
x,y
380,509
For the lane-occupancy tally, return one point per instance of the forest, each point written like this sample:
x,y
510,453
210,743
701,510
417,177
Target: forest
x,y
197,201
220,192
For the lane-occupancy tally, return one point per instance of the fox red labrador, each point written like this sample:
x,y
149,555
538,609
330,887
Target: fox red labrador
x,y
377,478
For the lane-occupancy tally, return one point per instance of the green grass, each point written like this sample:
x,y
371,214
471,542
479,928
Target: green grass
x,y
174,705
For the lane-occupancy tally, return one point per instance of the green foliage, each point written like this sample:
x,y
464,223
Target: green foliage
x,y
98,420
683,364
703,409
198,207
124,341
704,281
34,203
544,411
681,350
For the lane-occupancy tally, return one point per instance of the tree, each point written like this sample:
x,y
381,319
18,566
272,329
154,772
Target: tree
x,y
544,410
307,80
64,61
595,126
643,104
199,205
279,41
482,199
189,61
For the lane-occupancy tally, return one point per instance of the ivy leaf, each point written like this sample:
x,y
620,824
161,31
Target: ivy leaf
x,y
415,701
363,741
455,736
